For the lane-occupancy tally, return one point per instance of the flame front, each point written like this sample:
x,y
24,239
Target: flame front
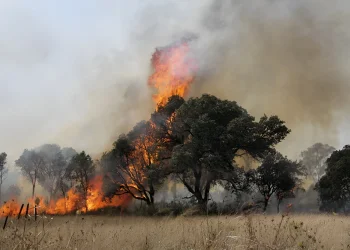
x,y
72,202
174,71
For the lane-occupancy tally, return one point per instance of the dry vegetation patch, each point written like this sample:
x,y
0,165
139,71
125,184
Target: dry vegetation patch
x,y
213,232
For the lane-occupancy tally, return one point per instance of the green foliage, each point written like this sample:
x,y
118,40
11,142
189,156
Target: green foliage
x,y
334,186
80,169
276,175
214,132
314,159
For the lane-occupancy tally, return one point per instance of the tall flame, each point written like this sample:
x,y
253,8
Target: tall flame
x,y
174,71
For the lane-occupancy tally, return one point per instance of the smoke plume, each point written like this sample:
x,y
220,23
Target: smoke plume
x,y
79,77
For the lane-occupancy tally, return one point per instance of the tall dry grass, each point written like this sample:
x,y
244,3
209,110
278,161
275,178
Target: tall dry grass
x,y
213,232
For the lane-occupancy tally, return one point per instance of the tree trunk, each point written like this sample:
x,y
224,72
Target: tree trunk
x,y
33,190
34,182
266,202
151,193
278,205
203,204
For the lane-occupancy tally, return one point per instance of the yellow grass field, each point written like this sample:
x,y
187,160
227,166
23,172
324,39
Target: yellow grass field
x,y
213,232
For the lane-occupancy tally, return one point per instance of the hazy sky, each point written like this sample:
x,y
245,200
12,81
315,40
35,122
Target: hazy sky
x,y
47,51
75,72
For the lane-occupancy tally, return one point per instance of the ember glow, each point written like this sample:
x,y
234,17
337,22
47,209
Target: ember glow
x,y
174,72
69,204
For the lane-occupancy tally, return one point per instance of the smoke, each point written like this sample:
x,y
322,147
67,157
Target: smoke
x,y
76,73
282,57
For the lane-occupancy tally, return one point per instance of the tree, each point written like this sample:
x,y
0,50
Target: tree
x,y
130,167
314,159
334,186
53,171
3,172
133,164
53,176
32,164
139,161
213,132
81,169
276,175
47,165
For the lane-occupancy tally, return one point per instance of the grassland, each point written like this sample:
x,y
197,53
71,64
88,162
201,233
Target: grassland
x,y
213,232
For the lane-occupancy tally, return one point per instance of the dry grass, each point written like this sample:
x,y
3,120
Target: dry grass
x,y
217,232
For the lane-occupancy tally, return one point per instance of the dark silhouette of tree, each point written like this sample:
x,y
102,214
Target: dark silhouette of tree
x,y
276,175
314,159
81,169
31,164
213,132
334,186
3,171
139,161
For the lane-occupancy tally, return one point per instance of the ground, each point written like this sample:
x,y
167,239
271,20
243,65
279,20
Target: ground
x,y
212,232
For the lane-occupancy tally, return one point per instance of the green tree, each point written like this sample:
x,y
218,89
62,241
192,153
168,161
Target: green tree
x,y
334,186
81,169
276,175
314,159
213,132
3,171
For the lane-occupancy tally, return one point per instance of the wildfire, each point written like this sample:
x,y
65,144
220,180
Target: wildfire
x,y
174,71
70,203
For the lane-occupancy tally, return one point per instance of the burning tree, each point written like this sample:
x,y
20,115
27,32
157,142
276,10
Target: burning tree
x,y
138,163
81,169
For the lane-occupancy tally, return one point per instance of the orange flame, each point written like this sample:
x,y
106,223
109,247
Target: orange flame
x,y
72,202
174,71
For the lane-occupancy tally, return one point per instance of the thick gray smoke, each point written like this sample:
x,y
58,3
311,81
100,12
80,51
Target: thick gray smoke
x,y
75,73
288,58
